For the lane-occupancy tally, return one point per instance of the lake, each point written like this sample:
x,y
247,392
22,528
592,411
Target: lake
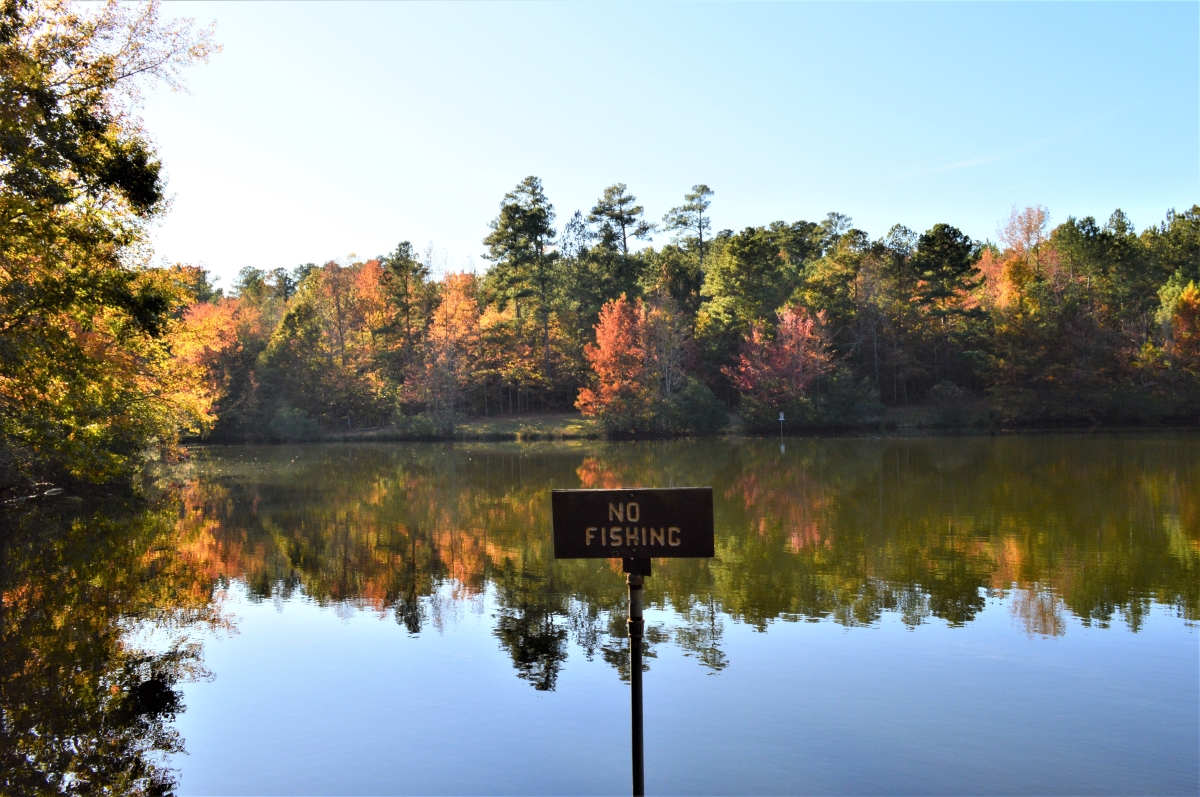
x,y
939,615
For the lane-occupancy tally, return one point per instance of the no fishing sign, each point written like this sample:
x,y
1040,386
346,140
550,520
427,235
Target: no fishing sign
x,y
633,524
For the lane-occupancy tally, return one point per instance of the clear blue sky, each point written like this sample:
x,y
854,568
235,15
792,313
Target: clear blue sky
x,y
325,129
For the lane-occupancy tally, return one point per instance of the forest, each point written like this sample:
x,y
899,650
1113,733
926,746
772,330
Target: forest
x,y
1080,324
106,357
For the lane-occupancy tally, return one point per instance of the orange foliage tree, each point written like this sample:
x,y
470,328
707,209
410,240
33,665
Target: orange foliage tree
x,y
442,381
1184,341
640,382
512,368
622,397
215,345
86,386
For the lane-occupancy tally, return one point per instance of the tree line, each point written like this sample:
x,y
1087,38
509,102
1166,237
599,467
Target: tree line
x,y
1080,323
105,357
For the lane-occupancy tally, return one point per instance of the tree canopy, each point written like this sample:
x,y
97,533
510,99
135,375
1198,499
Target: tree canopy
x,y
87,373
105,360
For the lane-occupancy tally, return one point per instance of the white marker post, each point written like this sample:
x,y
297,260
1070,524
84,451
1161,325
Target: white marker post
x,y
781,427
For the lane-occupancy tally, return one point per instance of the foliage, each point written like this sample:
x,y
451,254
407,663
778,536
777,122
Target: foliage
x,y
749,277
104,360
1042,327
791,370
778,374
950,402
410,297
424,426
1084,327
641,385
619,219
451,347
689,218
290,425
87,382
1183,347
622,399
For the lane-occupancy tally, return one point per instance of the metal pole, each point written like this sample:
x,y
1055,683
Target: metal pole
x,y
636,627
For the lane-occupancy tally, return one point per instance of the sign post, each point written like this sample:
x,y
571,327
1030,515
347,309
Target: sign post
x,y
633,525
637,629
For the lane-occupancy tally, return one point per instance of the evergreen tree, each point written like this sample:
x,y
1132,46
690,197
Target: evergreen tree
x,y
406,285
619,218
518,244
689,218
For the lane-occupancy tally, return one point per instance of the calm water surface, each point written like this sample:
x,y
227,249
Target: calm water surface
x,y
1012,615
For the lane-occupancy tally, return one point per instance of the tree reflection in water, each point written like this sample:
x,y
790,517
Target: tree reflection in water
x,y
526,626
84,709
1096,528
838,529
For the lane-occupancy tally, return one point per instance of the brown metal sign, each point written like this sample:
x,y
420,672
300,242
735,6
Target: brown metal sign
x,y
633,524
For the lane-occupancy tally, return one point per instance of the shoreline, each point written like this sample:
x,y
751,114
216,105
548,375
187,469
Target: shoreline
x,y
554,427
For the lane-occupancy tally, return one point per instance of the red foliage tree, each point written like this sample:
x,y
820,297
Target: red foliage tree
x,y
777,372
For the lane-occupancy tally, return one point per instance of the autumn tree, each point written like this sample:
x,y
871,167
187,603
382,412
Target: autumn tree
x,y
748,278
322,358
1084,335
640,384
779,372
85,377
216,345
618,358
452,346
1184,336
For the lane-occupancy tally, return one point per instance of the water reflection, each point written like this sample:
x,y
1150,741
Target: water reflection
x,y
1096,528
83,707
844,530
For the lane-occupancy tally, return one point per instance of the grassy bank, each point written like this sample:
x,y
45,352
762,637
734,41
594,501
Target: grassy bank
x,y
527,426
974,417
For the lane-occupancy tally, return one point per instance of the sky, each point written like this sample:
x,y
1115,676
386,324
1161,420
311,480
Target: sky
x,y
325,130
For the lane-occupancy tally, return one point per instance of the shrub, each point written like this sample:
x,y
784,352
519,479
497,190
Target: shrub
x,y
425,426
949,403
695,409
290,425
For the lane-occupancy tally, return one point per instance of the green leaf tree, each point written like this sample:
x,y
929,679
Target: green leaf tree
x,y
406,283
519,246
